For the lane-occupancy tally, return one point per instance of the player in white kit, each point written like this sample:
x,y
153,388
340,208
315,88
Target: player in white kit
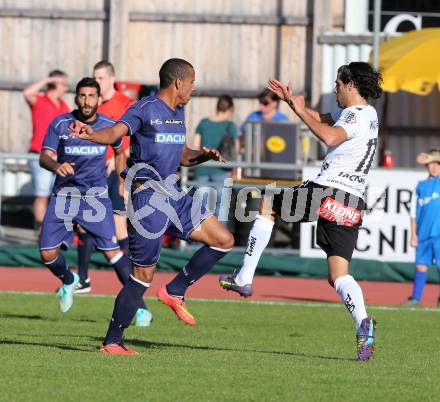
x,y
334,198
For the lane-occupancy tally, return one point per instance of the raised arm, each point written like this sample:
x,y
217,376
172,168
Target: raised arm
x,y
325,118
192,157
105,136
319,124
30,92
424,158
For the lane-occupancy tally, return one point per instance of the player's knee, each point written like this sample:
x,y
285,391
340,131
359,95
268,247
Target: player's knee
x,y
49,255
109,254
224,240
144,274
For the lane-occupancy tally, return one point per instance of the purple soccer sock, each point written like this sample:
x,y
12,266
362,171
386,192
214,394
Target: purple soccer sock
x,y
85,248
201,263
123,268
127,302
59,268
123,244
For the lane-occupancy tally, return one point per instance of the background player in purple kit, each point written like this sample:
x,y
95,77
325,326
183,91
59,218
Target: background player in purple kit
x,y
80,193
157,205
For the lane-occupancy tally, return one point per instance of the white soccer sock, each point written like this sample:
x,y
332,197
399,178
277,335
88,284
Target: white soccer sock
x,y
352,297
259,237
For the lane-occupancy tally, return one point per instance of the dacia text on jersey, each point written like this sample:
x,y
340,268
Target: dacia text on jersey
x,y
85,150
170,138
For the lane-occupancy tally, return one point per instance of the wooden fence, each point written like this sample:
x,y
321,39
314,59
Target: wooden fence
x,y
235,47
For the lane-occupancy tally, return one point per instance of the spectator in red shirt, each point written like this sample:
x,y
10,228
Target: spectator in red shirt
x,y
114,105
44,107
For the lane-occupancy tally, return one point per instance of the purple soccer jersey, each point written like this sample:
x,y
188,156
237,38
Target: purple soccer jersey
x,y
89,157
158,135
81,198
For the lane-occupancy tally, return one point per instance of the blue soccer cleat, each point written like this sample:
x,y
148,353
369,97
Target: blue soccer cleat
x,y
143,318
227,282
65,294
365,339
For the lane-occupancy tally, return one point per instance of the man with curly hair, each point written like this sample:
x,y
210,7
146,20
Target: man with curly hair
x,y
334,198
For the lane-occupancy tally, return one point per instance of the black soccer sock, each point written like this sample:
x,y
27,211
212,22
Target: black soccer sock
x,y
123,245
85,248
127,302
59,268
200,264
123,268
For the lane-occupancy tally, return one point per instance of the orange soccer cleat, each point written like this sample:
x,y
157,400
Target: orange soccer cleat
x,y
117,349
177,304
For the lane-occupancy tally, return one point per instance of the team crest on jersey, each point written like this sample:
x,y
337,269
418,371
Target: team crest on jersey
x,y
350,118
170,138
334,211
85,150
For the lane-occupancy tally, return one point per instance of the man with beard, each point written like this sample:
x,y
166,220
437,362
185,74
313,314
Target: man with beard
x,y
80,195
114,104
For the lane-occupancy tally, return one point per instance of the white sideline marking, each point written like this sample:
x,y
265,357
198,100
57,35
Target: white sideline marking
x,y
256,302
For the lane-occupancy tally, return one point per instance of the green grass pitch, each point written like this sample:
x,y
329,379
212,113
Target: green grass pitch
x,y
238,351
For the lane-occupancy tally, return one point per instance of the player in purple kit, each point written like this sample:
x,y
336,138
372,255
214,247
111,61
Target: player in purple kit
x,y
157,205
80,194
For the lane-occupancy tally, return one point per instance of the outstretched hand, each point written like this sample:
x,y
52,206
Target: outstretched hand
x,y
284,92
81,130
213,154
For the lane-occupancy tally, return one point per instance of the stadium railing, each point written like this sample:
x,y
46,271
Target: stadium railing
x,y
15,178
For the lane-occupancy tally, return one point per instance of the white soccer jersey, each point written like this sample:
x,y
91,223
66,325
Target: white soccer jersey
x,y
346,165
